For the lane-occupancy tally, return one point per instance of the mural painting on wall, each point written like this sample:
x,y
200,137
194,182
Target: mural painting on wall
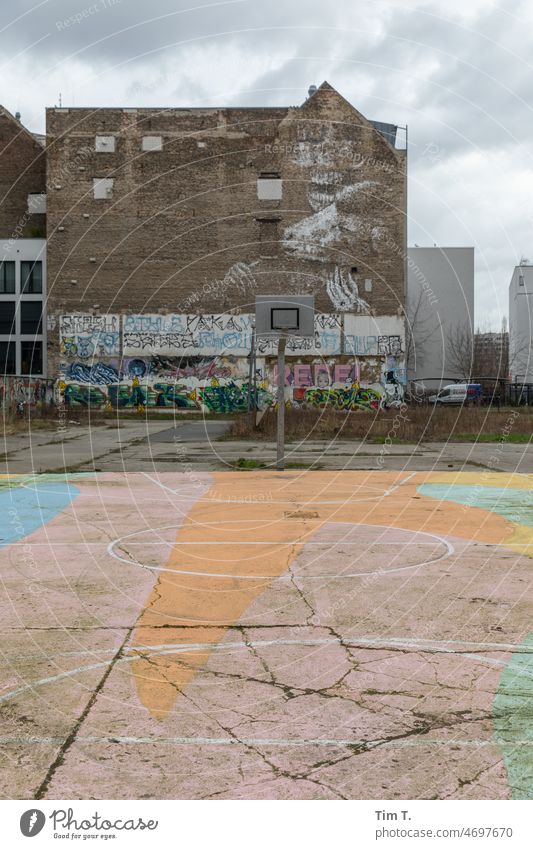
x,y
327,341
337,386
218,335
86,336
217,384
187,334
33,391
211,373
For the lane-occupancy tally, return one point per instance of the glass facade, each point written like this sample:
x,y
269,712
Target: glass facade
x,y
22,339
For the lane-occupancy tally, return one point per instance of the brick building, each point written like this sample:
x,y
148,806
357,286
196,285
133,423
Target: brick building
x,y
164,224
23,249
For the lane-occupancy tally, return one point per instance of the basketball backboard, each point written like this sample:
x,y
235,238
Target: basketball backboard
x,y
280,316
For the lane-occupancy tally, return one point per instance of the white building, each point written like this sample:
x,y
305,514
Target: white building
x,y
440,312
521,323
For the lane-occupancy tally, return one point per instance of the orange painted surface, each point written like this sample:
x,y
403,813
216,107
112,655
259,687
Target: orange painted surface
x,y
281,512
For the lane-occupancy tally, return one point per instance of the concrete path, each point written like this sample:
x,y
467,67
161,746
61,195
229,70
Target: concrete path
x,y
266,635
151,445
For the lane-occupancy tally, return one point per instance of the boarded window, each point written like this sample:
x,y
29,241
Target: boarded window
x,y
103,188
37,204
269,186
269,236
104,144
152,143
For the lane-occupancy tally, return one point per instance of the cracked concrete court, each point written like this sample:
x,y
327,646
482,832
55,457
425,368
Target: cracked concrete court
x,y
237,635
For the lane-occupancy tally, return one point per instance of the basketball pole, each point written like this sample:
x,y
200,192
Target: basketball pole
x,y
280,464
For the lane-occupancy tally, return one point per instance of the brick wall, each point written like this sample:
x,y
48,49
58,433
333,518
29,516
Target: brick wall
x,y
22,172
185,231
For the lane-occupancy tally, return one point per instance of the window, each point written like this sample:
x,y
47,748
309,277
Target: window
x,y
269,186
152,143
31,357
103,188
7,358
31,277
37,204
104,144
7,317
368,285
31,317
269,236
7,278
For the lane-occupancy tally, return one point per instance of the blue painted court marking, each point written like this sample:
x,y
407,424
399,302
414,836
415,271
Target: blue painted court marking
x,y
513,701
512,721
515,505
25,509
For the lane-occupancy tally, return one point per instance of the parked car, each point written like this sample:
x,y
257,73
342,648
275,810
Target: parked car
x,y
458,393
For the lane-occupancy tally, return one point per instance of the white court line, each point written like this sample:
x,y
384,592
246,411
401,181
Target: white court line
x,y
394,642
349,500
184,648
263,741
286,575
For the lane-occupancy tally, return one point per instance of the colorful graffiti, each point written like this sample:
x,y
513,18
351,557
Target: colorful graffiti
x,y
327,341
320,375
213,397
350,399
32,391
232,398
202,362
172,334
86,336
153,368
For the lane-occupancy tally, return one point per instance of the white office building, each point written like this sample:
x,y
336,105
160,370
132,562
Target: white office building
x,y
440,313
521,323
22,307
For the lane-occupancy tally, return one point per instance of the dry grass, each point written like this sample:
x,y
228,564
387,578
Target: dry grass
x,y
413,424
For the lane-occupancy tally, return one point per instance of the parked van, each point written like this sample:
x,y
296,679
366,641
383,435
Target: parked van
x,y
458,393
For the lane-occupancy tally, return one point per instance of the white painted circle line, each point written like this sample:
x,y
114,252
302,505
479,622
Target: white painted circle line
x,y
286,575
183,648
292,742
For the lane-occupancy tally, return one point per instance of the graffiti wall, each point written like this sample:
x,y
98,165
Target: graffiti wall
x,y
201,362
327,341
31,391
374,336
87,336
211,384
187,334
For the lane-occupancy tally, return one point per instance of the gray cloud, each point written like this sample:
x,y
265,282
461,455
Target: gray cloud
x,y
459,78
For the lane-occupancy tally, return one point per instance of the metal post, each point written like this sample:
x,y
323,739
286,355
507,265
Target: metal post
x,y
251,377
280,464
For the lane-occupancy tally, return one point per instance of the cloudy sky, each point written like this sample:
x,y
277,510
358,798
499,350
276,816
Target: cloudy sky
x,y
458,74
